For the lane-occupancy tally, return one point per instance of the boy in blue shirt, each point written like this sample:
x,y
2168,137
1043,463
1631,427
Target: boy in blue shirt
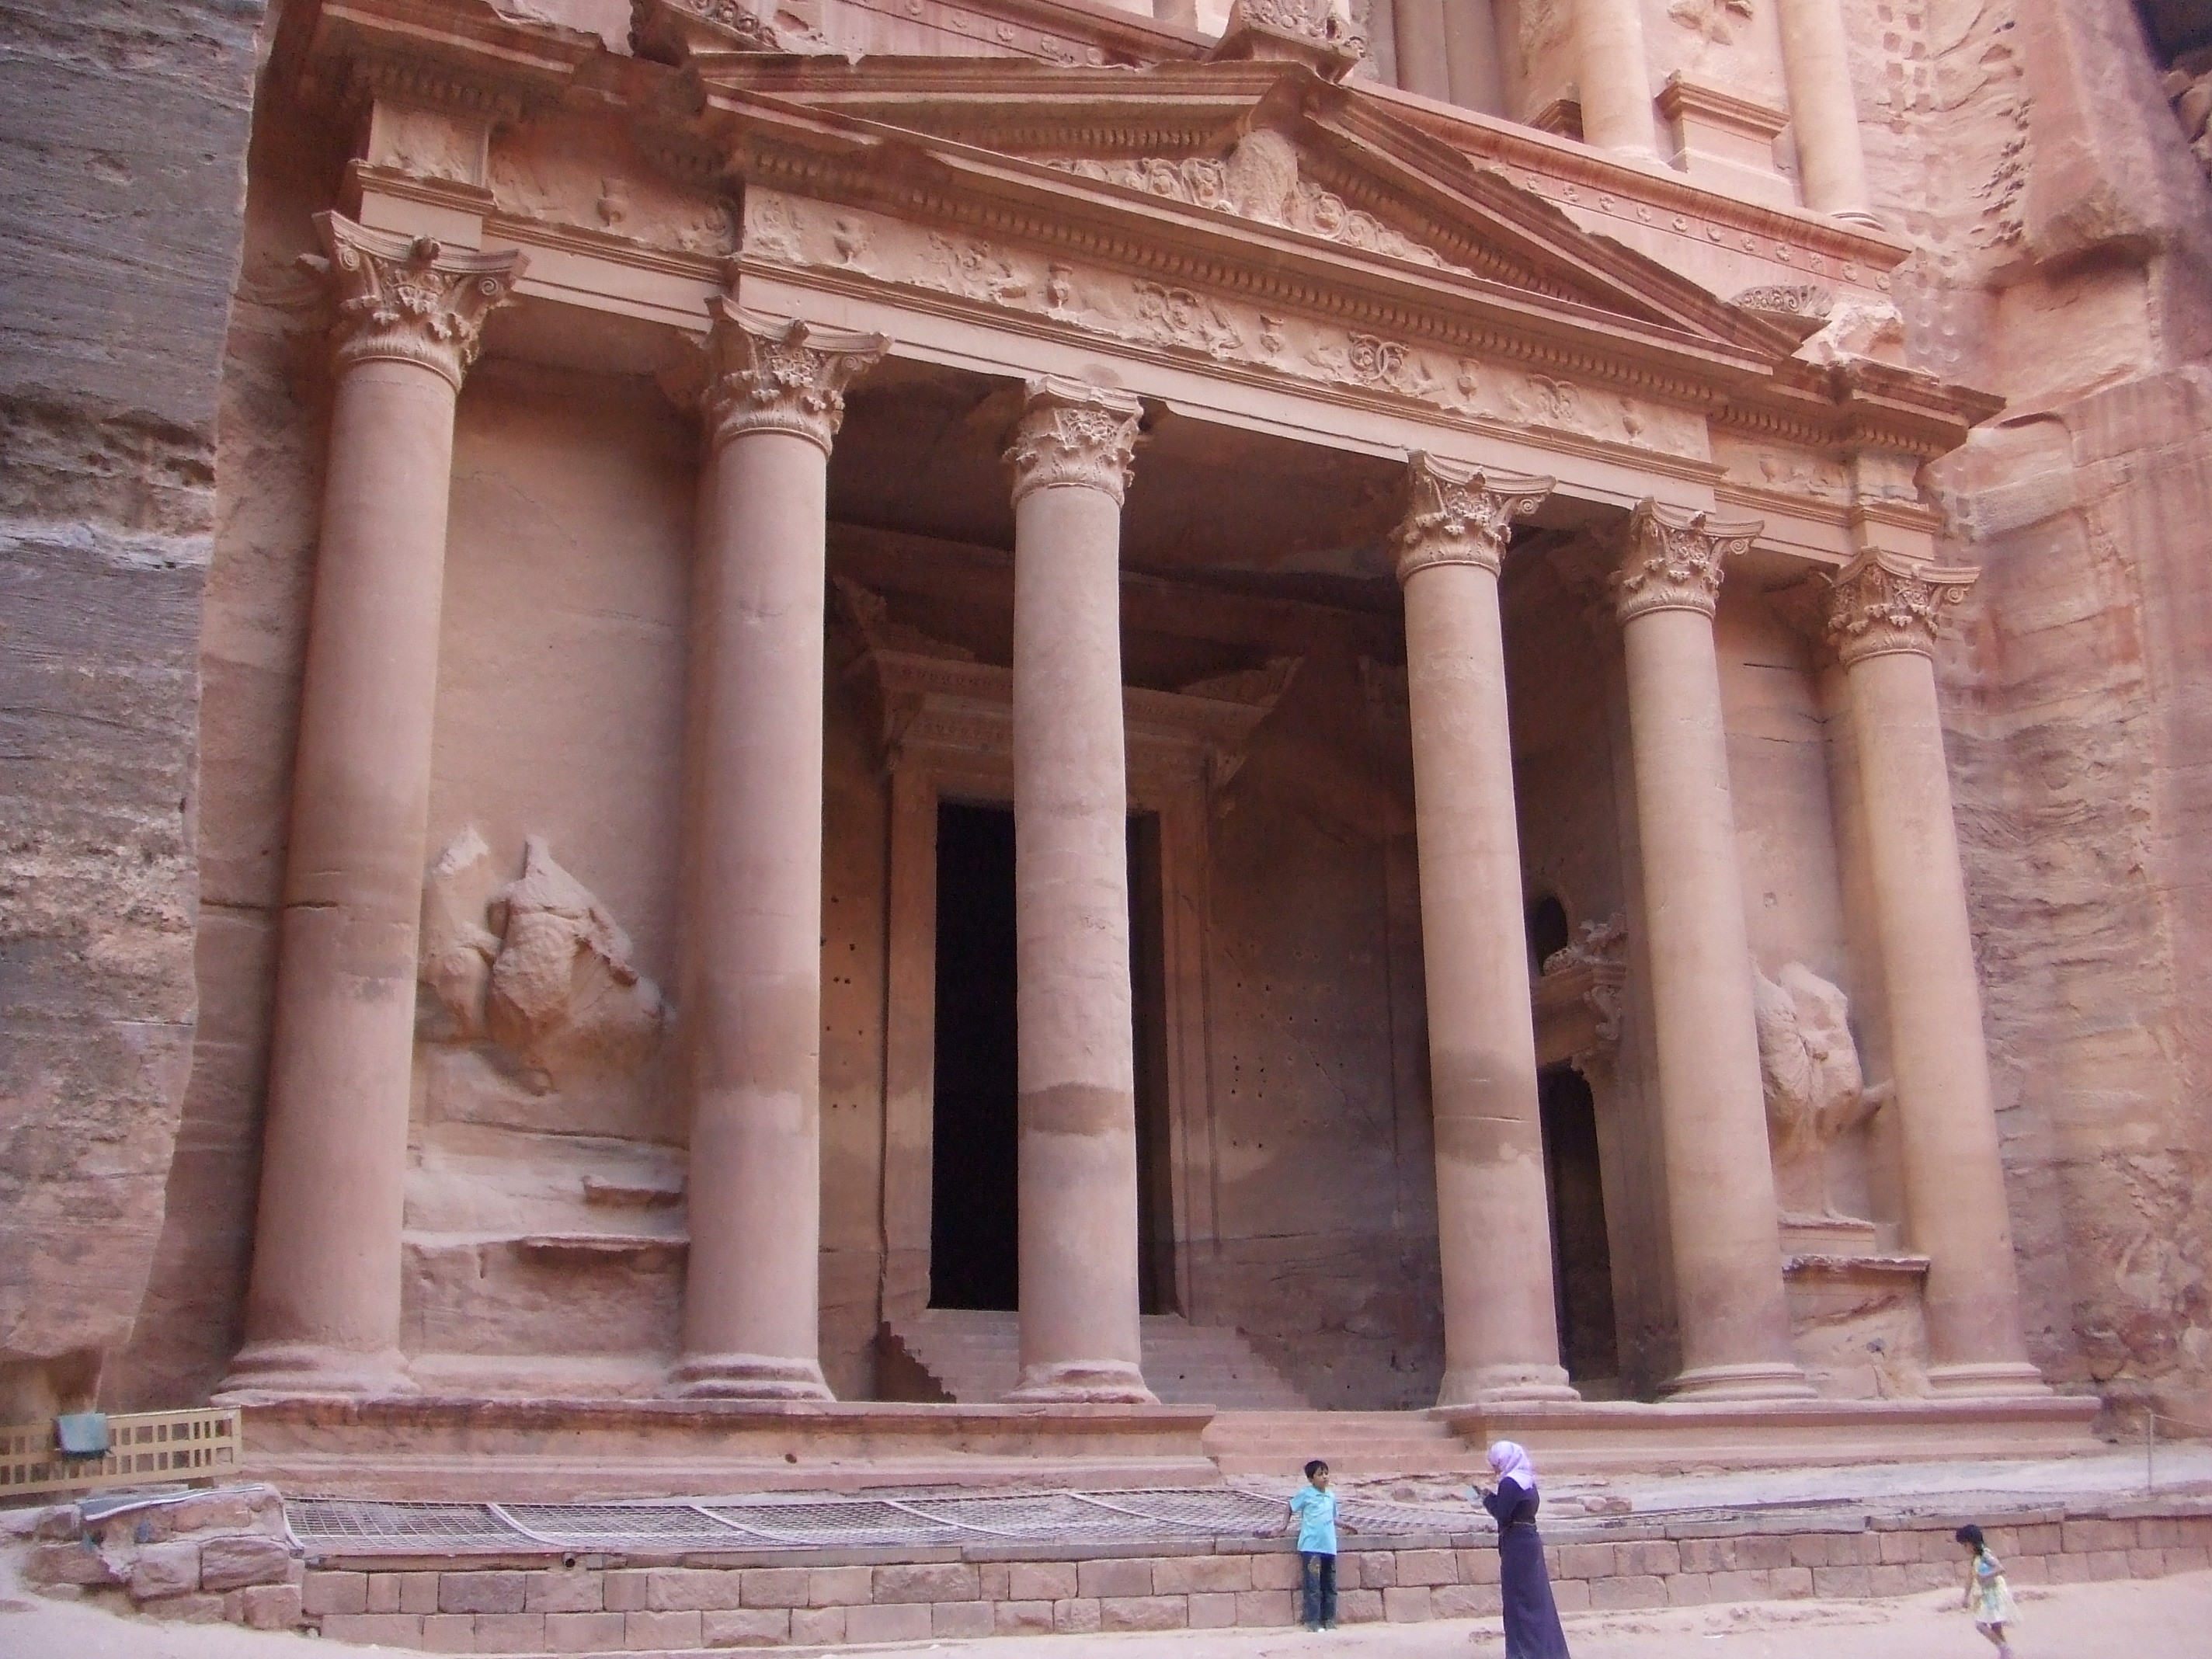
x,y
1313,1511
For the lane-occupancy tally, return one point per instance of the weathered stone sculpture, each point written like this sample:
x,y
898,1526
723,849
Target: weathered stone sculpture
x,y
1816,1091
549,982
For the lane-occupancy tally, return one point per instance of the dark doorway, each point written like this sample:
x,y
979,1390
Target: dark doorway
x,y
976,1146
1156,1275
974,1228
1547,933
1581,1256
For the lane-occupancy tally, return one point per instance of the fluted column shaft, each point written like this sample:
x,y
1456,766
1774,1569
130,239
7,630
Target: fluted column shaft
x,y
1824,112
1613,76
1719,1185
753,980
1493,1222
1080,1333
323,1308
1883,618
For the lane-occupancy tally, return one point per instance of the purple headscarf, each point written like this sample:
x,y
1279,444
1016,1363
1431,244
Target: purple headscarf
x,y
1509,1461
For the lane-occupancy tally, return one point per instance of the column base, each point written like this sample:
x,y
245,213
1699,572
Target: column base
x,y
746,1376
1083,1382
315,1369
1995,1379
1508,1385
1748,1382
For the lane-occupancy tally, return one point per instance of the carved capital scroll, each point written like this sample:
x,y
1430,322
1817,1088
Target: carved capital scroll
x,y
1460,514
1073,434
410,299
1673,558
1881,603
779,374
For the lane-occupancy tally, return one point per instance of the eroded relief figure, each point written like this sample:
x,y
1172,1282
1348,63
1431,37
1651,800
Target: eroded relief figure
x,y
1815,1091
549,983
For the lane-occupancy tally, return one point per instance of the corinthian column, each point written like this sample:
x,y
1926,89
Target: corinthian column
x,y
1817,64
1719,1185
1613,76
323,1310
1883,613
1494,1223
1070,461
752,979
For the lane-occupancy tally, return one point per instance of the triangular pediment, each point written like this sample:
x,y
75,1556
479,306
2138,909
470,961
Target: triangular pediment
x,y
1275,155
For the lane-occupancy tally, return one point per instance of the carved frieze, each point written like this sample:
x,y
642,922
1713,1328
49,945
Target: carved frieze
x,y
1674,559
410,299
1260,179
675,31
777,374
1461,514
560,176
1881,603
792,231
1071,433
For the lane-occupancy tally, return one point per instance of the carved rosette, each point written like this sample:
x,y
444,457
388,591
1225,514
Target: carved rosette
x,y
1881,603
779,374
410,299
1073,434
1674,559
1460,514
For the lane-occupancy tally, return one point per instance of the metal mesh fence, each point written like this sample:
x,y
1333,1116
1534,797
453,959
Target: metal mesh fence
x,y
813,1524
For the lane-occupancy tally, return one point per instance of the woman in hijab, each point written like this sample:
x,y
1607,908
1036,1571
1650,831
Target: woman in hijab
x,y
1532,1620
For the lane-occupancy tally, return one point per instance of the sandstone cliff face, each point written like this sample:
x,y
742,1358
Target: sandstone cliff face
x,y
2063,229
124,175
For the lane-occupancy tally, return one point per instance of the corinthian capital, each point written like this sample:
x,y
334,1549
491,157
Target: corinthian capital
x,y
1884,602
410,299
779,374
1460,514
1073,434
1674,557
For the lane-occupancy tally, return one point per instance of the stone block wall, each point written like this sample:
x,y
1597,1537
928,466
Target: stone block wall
x,y
123,194
579,1603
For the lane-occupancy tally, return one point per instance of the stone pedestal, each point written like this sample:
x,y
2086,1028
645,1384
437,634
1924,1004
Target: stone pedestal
x,y
1882,616
1493,1223
323,1310
752,991
1720,1186
1070,461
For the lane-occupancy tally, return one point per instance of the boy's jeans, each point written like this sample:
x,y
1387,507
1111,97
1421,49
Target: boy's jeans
x,y
1320,1592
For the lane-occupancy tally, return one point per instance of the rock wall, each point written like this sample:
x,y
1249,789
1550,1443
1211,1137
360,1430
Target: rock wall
x,y
124,170
2062,228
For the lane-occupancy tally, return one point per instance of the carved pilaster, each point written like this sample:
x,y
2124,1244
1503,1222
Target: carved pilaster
x,y
779,374
1461,514
1673,558
410,299
1073,434
1883,602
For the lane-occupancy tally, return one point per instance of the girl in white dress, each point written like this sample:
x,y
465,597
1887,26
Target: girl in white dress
x,y
1988,1597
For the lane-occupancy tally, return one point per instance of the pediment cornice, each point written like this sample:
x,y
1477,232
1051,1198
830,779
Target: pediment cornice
x,y
1000,148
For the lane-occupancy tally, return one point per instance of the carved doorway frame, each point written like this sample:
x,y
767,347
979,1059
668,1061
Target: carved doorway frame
x,y
948,735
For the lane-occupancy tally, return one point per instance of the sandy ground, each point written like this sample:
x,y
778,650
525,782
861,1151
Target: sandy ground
x,y
2160,1619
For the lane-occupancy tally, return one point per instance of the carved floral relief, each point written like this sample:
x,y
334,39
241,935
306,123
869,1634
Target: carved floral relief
x,y
792,231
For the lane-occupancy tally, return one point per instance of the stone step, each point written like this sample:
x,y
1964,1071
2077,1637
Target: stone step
x,y
971,1355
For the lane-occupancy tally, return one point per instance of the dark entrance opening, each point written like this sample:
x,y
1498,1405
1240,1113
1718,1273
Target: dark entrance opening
x,y
1581,1256
973,1229
975,1144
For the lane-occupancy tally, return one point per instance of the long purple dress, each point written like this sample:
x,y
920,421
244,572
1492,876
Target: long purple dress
x,y
1532,1618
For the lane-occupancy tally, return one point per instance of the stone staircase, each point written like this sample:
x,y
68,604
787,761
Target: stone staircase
x,y
973,1358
